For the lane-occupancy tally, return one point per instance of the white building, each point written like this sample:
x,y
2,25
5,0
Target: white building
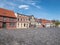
x,y
22,21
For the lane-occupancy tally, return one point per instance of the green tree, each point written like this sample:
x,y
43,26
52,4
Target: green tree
x,y
57,22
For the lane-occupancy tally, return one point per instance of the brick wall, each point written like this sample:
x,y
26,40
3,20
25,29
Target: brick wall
x,y
1,18
0,24
10,27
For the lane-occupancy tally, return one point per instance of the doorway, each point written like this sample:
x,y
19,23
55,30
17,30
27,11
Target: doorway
x,y
4,25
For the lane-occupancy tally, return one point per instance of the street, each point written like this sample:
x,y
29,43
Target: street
x,y
36,36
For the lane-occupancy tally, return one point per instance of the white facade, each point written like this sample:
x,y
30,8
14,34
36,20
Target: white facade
x,y
22,21
38,24
22,25
48,25
32,20
59,26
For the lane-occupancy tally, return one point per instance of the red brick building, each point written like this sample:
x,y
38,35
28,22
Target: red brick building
x,y
7,19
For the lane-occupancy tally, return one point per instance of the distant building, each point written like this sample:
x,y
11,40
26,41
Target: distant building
x,y
32,21
22,21
7,19
59,25
46,23
38,23
11,20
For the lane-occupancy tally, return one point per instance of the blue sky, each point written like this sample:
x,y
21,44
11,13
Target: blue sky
x,y
46,9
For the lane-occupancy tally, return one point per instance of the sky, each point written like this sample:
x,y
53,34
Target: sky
x,y
46,9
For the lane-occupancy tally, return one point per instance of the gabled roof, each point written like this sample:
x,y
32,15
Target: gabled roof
x,y
22,14
7,13
45,20
25,15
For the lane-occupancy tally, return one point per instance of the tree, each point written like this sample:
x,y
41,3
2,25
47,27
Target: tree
x,y
57,22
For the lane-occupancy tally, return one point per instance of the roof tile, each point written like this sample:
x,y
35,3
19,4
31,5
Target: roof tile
x,y
8,13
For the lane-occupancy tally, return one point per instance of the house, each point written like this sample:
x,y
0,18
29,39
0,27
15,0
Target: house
x,y
25,21
7,19
43,22
32,21
38,23
59,25
46,23
22,21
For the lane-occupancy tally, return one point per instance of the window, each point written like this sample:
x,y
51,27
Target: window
x,y
18,19
12,24
18,24
29,19
24,25
4,18
21,19
11,19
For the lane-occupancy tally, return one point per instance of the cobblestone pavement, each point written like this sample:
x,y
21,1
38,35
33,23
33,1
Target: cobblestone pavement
x,y
36,36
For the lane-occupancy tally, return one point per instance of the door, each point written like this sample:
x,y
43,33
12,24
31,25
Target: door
x,y
4,24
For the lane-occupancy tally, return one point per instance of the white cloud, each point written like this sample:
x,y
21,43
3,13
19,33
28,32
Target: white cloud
x,y
38,7
31,2
24,6
34,4
28,2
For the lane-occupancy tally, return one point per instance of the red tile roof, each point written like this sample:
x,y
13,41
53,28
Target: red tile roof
x,y
45,21
7,13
